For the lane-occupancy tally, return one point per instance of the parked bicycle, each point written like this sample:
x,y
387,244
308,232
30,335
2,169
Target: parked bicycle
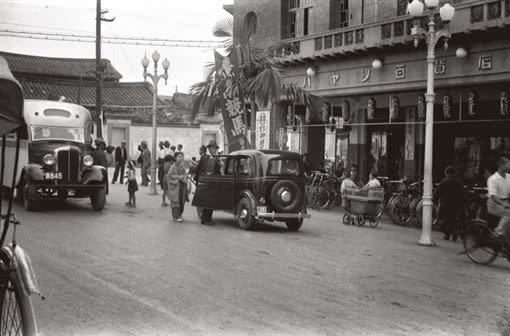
x,y
17,277
482,245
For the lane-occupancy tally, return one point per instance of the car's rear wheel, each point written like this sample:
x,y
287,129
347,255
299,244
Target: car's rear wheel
x,y
245,214
294,224
98,199
286,196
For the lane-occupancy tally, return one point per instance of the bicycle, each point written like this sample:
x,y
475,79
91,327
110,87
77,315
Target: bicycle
x,y
482,245
17,277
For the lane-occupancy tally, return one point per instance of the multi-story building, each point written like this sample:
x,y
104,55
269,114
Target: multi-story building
x,y
360,55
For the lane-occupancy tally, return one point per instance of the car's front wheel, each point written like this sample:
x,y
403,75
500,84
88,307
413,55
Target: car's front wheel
x,y
98,199
294,224
245,214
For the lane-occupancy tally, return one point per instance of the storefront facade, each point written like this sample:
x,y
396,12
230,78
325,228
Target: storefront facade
x,y
379,114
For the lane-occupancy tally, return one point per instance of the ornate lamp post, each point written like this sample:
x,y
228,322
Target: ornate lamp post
x,y
432,36
155,79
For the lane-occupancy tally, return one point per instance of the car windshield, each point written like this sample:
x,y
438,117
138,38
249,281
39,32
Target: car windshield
x,y
58,133
284,167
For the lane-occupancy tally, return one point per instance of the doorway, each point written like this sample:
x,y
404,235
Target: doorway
x,y
386,156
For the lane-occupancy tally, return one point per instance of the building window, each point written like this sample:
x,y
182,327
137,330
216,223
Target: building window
x,y
298,16
292,24
402,7
339,14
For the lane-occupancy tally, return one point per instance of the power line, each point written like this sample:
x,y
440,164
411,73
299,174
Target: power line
x,y
128,38
90,40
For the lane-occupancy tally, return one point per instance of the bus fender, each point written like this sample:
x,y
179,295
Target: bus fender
x,y
33,172
95,174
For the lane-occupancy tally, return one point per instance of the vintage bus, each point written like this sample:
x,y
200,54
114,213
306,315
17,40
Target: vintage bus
x,y
54,160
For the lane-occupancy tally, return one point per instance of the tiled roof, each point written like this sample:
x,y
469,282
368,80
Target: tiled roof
x,y
84,93
72,68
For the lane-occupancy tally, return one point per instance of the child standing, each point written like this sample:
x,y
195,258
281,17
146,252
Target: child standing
x,y
132,185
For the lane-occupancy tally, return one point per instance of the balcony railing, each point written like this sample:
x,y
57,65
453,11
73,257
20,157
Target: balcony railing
x,y
470,15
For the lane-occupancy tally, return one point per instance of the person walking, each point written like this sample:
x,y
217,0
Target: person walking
x,y
146,163
132,185
177,181
168,161
120,162
450,195
161,160
213,165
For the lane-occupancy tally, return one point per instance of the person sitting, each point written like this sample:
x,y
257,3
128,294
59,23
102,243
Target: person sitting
x,y
373,182
350,182
498,186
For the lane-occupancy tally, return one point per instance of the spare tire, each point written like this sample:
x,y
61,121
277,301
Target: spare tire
x,y
286,196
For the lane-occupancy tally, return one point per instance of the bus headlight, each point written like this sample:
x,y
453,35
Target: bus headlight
x,y
88,160
49,160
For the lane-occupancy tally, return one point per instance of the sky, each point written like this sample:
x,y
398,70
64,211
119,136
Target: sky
x,y
165,19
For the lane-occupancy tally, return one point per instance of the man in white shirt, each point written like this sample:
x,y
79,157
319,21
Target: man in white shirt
x,y
373,182
349,183
498,185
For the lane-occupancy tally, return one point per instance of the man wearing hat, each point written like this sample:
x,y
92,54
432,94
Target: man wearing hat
x,y
120,162
213,165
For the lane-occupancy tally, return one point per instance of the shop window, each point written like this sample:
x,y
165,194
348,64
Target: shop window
x,y
377,161
402,7
339,14
297,18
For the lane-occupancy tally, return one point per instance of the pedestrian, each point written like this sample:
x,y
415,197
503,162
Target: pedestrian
x,y
450,196
350,182
161,161
132,185
146,163
498,185
177,181
213,165
120,162
307,165
98,154
373,182
167,163
202,162
193,167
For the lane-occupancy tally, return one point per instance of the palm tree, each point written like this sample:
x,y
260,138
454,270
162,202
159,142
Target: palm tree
x,y
258,77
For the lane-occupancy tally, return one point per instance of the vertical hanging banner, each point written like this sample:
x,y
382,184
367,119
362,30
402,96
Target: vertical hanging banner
x,y
232,102
262,129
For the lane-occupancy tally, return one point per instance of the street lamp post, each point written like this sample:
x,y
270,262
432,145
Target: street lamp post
x,y
431,37
155,79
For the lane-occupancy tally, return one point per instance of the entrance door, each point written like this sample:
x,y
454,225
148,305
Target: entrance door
x,y
118,134
386,156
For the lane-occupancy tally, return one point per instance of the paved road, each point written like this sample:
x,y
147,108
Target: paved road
x,y
133,272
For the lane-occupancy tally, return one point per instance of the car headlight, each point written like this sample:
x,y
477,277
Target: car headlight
x,y
49,159
88,160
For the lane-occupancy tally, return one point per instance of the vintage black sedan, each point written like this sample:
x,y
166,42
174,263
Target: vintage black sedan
x,y
257,186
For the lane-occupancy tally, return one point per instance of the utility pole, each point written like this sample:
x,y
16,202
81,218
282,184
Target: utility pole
x,y
99,67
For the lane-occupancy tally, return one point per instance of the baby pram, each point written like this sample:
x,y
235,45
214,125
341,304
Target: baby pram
x,y
362,205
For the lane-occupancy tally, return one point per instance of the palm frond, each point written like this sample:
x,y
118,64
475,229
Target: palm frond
x,y
265,87
224,27
249,28
295,93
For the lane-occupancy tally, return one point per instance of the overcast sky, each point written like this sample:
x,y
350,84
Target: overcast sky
x,y
168,19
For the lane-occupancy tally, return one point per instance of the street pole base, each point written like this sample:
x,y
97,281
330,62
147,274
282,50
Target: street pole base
x,y
427,243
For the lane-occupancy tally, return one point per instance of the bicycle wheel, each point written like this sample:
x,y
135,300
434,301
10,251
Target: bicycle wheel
x,y
320,198
480,243
16,310
401,213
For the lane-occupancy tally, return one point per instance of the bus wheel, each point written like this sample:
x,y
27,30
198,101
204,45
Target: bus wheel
x,y
28,196
98,199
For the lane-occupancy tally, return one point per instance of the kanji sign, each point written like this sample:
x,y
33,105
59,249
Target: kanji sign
x,y
262,130
485,62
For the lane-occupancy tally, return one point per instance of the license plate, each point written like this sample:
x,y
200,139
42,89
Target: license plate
x,y
53,176
261,209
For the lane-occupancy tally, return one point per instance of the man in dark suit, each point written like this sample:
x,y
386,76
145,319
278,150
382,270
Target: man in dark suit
x,y
120,162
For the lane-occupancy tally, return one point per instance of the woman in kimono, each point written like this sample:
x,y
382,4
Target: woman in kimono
x,y
177,183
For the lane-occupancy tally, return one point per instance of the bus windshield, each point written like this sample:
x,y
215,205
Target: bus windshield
x,y
58,133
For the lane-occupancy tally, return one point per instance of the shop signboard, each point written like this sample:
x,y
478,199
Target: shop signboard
x,y
447,106
503,103
371,108
262,130
421,107
394,107
472,103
